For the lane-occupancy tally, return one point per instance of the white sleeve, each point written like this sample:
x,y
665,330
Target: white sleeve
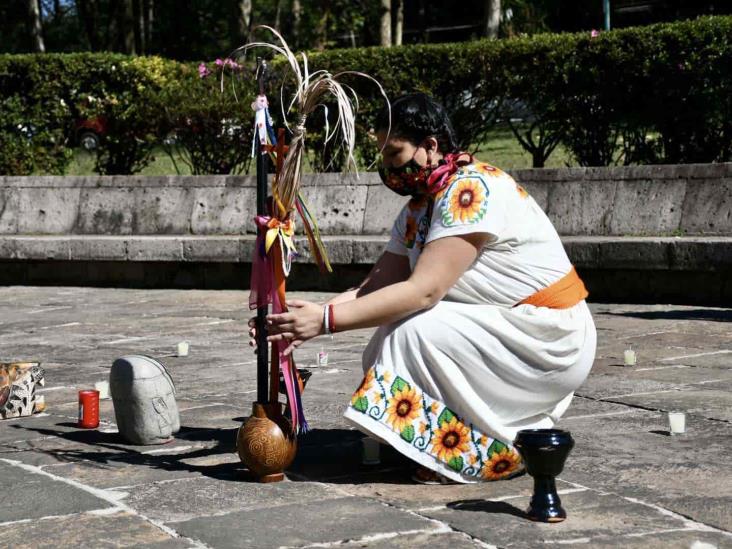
x,y
397,242
472,203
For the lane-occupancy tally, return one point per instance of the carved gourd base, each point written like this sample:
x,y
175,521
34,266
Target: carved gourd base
x,y
265,443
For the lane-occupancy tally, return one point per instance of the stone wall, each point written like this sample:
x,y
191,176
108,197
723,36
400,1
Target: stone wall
x,y
640,201
645,234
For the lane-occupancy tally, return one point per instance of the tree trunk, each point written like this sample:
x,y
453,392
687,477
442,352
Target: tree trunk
x,y
147,21
138,19
243,20
492,17
57,10
127,27
399,23
88,15
385,32
321,30
423,21
296,16
278,12
36,31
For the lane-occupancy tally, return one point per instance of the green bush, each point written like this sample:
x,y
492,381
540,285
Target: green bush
x,y
656,94
33,118
54,92
210,119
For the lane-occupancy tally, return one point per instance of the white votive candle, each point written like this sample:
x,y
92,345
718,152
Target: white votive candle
x,y
182,349
103,388
629,357
371,450
322,357
677,422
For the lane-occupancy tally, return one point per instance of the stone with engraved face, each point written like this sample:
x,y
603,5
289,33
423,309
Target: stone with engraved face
x,y
143,394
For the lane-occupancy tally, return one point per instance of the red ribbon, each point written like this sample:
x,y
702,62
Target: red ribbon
x,y
439,177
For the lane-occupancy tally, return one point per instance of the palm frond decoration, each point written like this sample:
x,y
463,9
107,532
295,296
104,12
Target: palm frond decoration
x,y
312,90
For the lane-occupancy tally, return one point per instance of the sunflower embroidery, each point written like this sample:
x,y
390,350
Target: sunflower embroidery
x,y
403,408
522,192
451,440
366,383
501,464
487,169
360,400
465,202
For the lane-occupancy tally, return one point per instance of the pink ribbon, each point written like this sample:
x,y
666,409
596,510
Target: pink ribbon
x,y
261,283
263,292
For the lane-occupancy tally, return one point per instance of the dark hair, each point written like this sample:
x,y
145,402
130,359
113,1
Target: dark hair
x,y
417,116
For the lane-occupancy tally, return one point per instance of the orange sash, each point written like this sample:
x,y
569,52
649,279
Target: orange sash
x,y
563,294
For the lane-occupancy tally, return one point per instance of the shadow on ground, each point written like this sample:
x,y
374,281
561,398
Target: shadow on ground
x,y
718,315
487,506
324,455
118,453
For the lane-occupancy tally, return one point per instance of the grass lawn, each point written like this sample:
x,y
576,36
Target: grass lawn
x,y
500,149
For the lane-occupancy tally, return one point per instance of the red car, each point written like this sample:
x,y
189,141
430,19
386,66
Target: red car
x,y
89,132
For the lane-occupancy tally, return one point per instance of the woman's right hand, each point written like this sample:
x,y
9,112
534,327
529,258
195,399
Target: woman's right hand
x,y
253,333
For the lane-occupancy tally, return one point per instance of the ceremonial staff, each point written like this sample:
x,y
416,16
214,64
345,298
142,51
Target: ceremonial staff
x,y
262,164
266,442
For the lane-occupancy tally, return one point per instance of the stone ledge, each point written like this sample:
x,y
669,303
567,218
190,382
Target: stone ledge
x,y
587,252
693,199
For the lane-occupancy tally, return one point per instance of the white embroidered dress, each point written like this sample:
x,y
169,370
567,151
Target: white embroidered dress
x,y
450,386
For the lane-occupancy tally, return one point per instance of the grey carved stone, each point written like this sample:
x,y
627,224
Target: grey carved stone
x,y
143,394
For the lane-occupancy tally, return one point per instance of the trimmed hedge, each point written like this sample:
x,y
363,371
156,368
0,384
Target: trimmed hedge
x,y
656,94
53,92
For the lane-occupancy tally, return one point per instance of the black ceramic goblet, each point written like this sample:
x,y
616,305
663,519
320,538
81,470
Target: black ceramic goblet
x,y
544,452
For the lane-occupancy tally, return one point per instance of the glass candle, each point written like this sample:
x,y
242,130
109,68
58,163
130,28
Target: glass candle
x,y
677,422
371,450
182,349
103,388
629,357
322,357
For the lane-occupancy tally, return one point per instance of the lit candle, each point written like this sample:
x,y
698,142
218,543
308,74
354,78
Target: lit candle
x,y
629,357
677,422
182,349
322,357
371,451
103,388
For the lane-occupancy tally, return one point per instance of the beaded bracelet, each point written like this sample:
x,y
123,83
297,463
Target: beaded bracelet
x,y
331,319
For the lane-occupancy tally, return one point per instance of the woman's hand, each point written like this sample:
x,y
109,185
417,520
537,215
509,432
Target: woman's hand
x,y
303,321
253,333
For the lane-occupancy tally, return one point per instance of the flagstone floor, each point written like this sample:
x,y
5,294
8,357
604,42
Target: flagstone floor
x,y
626,484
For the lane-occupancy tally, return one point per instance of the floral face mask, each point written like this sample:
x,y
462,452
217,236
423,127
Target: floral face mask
x,y
412,179
408,179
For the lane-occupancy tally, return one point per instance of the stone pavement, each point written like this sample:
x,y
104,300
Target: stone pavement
x,y
626,484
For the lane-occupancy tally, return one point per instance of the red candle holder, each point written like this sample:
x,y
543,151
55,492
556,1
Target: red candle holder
x,y
88,409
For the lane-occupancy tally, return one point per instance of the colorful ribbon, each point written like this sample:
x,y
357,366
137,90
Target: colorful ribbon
x,y
451,163
313,233
273,253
